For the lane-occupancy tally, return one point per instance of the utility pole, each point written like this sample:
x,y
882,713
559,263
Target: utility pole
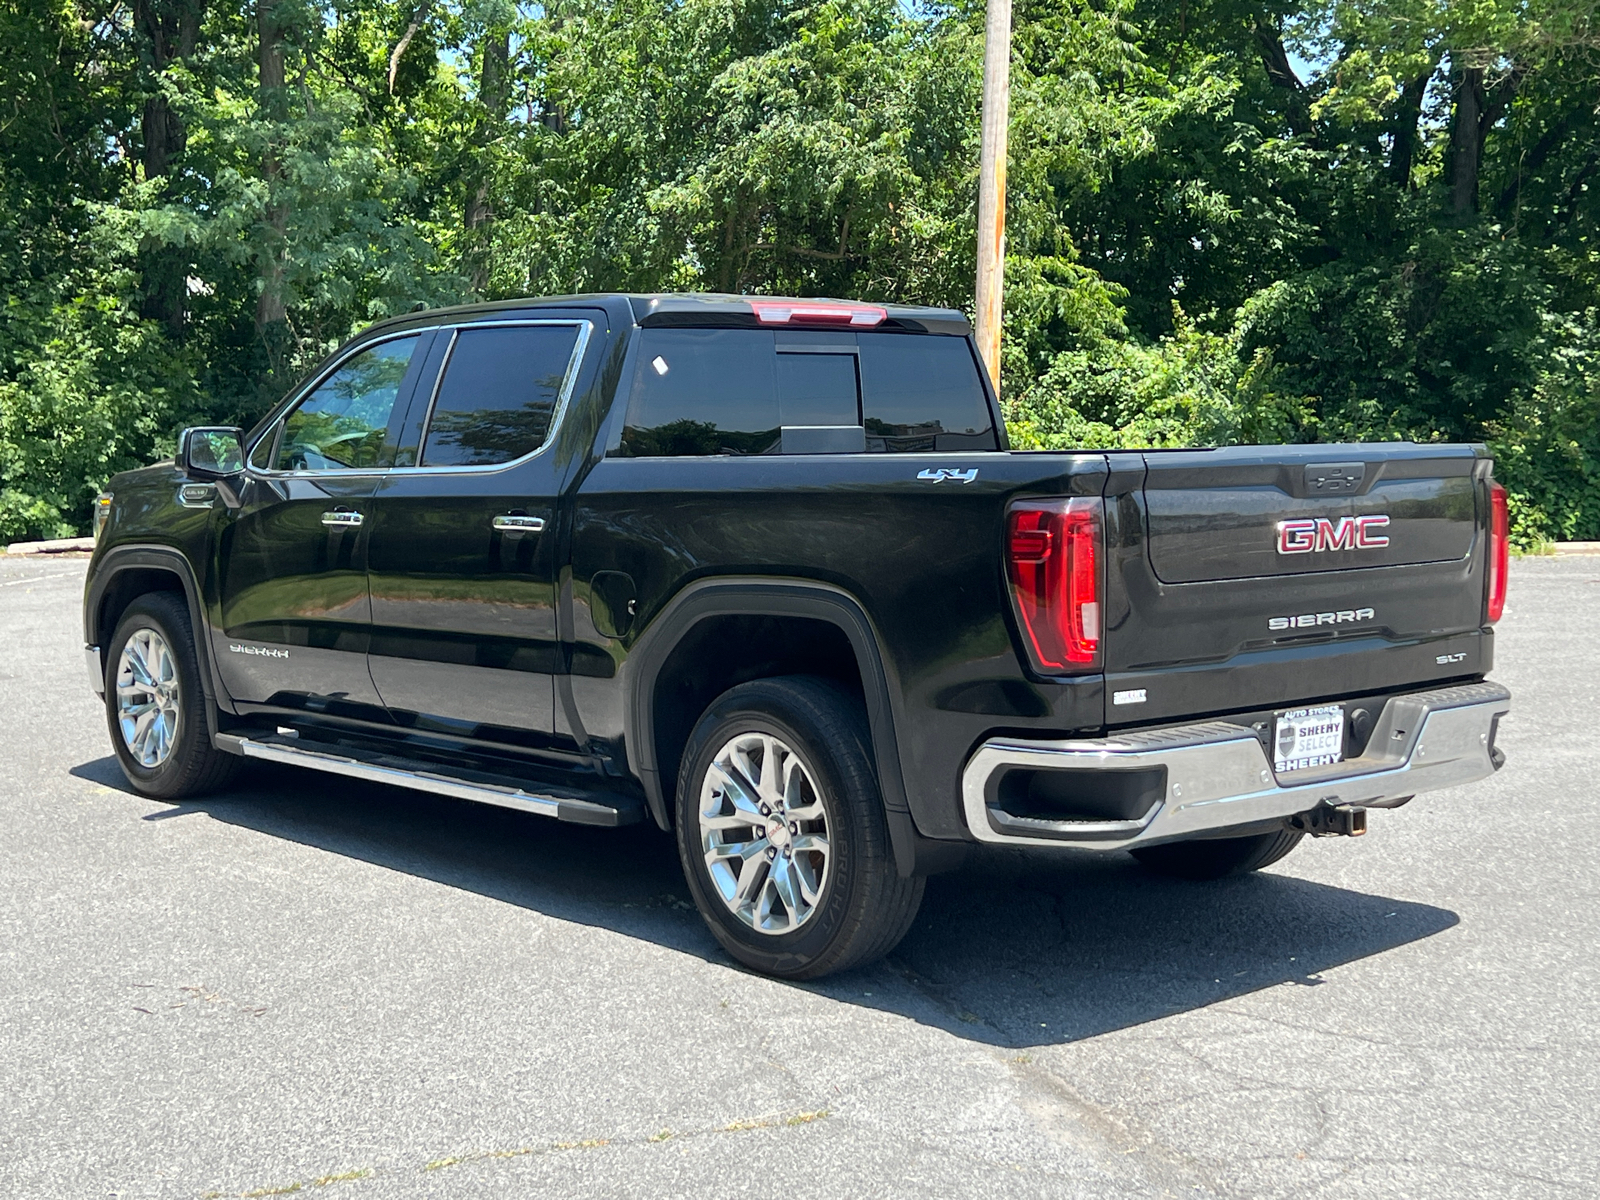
x,y
992,183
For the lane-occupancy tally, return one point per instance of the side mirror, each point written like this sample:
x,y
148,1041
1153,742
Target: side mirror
x,y
211,452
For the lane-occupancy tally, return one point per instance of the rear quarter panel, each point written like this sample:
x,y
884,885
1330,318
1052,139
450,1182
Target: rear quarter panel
x,y
923,559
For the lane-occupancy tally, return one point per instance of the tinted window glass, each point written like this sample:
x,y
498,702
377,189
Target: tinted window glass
x,y
703,391
498,394
818,389
922,393
342,424
261,456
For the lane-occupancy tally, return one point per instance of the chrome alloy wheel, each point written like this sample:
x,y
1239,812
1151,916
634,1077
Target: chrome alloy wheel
x,y
147,697
764,833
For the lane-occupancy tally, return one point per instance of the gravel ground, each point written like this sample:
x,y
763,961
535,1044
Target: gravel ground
x,y
368,993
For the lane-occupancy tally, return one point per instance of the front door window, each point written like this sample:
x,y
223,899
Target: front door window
x,y
342,424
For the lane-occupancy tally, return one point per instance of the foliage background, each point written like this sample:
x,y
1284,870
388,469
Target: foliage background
x,y
1229,220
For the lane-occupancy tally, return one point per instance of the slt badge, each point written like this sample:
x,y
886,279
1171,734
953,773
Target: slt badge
x,y
940,474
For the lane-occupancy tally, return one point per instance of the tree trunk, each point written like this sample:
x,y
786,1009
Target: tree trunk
x,y
1408,114
420,16
494,92
271,310
168,30
551,115
1275,61
1477,110
1466,148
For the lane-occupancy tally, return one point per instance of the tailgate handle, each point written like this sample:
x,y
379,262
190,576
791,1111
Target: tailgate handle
x,y
342,517
1334,479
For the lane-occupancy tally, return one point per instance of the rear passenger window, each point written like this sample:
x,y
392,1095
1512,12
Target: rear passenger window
x,y
498,394
703,392
922,393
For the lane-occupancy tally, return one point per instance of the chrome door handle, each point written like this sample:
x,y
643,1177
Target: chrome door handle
x,y
342,517
517,523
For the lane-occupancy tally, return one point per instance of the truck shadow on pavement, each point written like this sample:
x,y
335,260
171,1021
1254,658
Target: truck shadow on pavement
x,y
1012,950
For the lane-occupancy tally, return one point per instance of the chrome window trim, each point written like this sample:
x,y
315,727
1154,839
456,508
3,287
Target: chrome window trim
x,y
585,329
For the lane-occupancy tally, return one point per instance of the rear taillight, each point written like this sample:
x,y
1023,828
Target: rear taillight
x,y
1499,549
1053,563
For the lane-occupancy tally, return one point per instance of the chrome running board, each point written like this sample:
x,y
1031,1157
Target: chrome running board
x,y
615,809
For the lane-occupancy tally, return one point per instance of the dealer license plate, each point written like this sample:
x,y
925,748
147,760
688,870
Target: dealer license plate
x,y
1309,737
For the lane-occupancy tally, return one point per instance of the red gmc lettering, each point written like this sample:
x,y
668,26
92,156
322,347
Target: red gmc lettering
x,y
1370,541
1348,533
1336,537
1297,537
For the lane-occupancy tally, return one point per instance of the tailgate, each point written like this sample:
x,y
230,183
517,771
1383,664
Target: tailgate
x,y
1251,577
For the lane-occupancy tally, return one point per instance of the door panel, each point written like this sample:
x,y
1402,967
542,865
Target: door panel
x,y
291,560
462,561
293,593
464,630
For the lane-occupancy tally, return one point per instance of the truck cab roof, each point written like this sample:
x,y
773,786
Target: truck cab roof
x,y
716,309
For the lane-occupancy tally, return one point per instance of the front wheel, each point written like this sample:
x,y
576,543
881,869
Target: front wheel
x,y
1215,858
155,705
781,831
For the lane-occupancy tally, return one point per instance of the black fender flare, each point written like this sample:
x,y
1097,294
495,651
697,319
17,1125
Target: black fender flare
x,y
119,559
775,597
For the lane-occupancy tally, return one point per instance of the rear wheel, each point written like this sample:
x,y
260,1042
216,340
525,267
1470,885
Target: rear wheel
x,y
1214,858
155,705
782,835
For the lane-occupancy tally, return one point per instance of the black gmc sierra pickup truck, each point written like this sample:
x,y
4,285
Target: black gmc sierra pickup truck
x,y
765,572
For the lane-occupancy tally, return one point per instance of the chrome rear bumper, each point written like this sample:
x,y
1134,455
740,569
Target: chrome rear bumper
x,y
1218,775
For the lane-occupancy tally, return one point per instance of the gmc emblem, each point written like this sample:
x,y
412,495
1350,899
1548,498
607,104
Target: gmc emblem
x,y
1348,533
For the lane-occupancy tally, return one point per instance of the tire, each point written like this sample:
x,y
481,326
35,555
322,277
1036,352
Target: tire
x,y
860,907
174,756
1216,858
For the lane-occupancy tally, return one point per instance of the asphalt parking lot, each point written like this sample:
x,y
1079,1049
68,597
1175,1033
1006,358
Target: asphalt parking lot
x,y
365,993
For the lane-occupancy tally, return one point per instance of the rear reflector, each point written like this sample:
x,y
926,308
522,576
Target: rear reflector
x,y
1053,564
789,312
1499,549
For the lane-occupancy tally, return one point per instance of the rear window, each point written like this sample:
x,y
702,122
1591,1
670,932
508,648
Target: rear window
x,y
923,393
498,394
750,391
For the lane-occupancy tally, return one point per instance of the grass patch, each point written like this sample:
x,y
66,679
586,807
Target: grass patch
x,y
341,1177
746,1123
455,1160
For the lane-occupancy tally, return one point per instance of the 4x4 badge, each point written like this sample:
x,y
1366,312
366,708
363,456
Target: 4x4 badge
x,y
940,474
